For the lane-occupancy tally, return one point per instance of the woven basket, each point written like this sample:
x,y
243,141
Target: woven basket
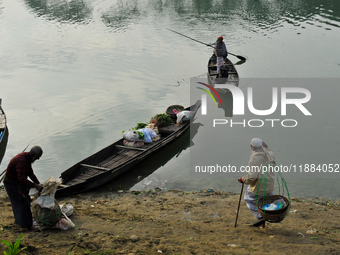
x,y
170,111
275,215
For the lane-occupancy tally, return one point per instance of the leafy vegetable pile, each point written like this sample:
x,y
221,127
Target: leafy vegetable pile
x,y
162,119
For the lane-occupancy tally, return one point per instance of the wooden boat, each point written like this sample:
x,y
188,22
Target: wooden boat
x,y
112,161
228,73
140,176
3,133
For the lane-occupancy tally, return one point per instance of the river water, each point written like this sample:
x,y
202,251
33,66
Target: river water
x,y
74,74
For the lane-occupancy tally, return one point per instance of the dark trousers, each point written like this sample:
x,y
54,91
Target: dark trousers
x,y
21,206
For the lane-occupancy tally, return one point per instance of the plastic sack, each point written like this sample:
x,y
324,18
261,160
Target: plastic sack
x,y
44,202
65,223
47,217
131,136
148,134
50,187
45,208
276,205
33,192
183,116
67,209
46,198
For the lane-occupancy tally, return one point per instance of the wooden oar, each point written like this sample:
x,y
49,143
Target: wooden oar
x,y
238,56
239,202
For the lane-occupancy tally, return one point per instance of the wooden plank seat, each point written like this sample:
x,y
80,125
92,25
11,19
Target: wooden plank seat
x,y
216,73
129,148
95,167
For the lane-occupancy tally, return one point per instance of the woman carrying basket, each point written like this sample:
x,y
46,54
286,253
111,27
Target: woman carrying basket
x,y
260,154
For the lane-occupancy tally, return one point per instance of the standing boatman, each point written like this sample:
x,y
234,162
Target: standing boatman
x,y
17,185
221,52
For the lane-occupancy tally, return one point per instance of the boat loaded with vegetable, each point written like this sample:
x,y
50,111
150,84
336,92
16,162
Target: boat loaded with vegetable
x,y
136,145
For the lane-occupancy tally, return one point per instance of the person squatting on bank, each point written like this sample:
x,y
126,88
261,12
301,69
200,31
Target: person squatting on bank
x,y
260,156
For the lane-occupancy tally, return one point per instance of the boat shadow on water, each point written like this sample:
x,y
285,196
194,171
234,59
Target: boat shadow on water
x,y
227,103
228,75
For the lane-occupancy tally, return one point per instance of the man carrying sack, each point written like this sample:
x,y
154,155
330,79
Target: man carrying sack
x,y
17,185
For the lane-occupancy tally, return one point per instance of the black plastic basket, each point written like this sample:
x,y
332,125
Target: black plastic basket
x,y
273,215
170,110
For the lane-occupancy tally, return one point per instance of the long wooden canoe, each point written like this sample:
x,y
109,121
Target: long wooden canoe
x,y
3,133
141,175
228,74
112,161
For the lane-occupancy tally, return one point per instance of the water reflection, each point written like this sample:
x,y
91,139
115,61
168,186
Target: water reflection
x,y
73,11
122,14
266,15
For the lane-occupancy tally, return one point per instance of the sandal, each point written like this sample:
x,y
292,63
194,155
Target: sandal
x,y
259,223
